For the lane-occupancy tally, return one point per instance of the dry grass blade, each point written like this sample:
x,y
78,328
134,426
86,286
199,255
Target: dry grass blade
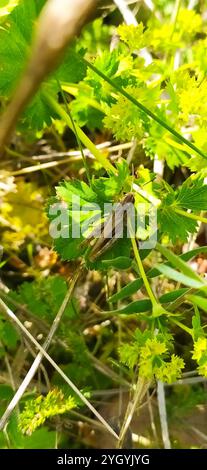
x,y
33,369
8,312
163,415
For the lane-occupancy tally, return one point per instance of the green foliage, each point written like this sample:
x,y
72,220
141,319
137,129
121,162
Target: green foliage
x,y
138,306
201,302
6,6
8,336
175,225
183,400
192,194
40,439
180,101
149,353
200,355
196,323
168,37
176,97
133,36
123,117
96,36
15,40
22,215
37,411
108,189
43,297
159,105
180,277
177,262
89,208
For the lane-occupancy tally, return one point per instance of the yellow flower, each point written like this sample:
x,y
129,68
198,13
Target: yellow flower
x,y
200,347
153,347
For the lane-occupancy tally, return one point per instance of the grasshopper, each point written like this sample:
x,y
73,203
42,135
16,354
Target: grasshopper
x,y
110,230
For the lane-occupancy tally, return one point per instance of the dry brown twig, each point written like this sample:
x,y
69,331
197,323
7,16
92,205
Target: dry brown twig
x,y
59,23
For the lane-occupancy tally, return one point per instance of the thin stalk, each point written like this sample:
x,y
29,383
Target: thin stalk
x,y
182,326
81,135
16,154
163,414
198,218
142,272
75,132
140,390
39,167
147,111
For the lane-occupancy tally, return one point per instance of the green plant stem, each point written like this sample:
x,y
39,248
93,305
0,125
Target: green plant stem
x,y
16,154
142,272
147,111
181,325
75,131
81,135
191,216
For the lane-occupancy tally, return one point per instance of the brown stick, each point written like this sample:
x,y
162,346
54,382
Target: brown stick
x,y
59,22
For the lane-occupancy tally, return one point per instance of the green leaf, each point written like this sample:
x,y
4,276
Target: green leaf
x,y
109,188
172,296
85,109
15,41
89,209
134,286
43,297
179,277
6,6
178,227
41,439
122,262
138,306
201,302
68,248
158,143
192,253
177,262
14,434
72,69
193,194
67,189
6,392
127,291
196,324
8,335
111,258
38,113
